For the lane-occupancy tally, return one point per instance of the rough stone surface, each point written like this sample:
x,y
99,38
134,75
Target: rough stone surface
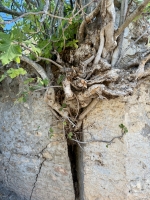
x,y
33,165
121,171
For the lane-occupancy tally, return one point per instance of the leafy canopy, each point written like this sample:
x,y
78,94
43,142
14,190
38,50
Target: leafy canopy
x,y
31,36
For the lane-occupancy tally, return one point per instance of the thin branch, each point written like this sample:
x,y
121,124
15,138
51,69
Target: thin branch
x,y
33,13
131,18
98,56
18,6
52,20
8,11
42,58
48,59
83,8
36,66
87,20
124,6
104,141
45,10
131,45
140,70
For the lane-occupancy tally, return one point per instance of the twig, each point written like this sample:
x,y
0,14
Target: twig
x,y
78,106
33,13
83,8
131,45
42,58
104,141
52,20
71,122
78,143
48,59
87,20
131,18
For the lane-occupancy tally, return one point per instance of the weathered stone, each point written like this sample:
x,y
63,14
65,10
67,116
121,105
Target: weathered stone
x,y
28,156
121,171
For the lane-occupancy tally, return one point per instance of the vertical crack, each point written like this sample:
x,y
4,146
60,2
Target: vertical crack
x,y
37,175
73,154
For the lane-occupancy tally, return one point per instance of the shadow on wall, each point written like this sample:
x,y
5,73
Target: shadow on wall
x,y
6,194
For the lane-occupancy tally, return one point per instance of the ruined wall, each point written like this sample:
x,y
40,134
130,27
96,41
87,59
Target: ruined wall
x,y
37,167
33,165
121,171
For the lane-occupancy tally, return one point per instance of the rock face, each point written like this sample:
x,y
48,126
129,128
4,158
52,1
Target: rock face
x,y
34,162
121,170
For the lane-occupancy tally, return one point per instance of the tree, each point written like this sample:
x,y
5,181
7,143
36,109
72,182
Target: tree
x,y
76,50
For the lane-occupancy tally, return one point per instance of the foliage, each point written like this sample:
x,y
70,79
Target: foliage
x,y
30,85
70,135
123,128
51,132
13,73
9,51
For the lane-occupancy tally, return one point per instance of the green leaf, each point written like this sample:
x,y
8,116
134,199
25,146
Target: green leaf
x,y
124,128
35,49
3,77
70,134
21,99
64,123
60,79
13,73
45,82
29,80
51,130
4,36
63,106
51,135
17,59
121,126
9,52
72,43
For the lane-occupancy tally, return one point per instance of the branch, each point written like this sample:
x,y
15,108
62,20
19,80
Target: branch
x,y
123,53
88,109
118,50
8,11
42,58
82,8
102,40
104,141
33,13
88,20
48,59
131,18
140,70
46,7
49,98
36,66
67,89
31,2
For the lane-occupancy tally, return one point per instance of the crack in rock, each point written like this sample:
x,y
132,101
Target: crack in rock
x,y
37,175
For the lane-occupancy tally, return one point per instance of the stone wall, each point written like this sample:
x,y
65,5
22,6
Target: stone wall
x,y
121,170
33,165
36,166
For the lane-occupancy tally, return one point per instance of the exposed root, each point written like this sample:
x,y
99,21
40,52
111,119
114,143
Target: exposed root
x,y
140,70
88,75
